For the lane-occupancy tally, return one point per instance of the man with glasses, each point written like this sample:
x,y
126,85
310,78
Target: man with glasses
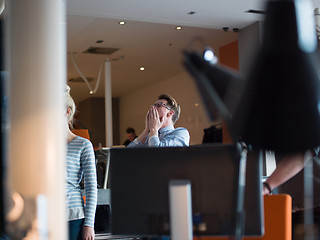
x,y
159,126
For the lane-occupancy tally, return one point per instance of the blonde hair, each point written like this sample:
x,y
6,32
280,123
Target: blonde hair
x,y
71,105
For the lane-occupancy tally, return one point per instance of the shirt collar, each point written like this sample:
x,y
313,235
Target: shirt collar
x,y
165,129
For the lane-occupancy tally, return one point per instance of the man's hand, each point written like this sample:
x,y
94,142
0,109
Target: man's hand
x,y
154,121
147,122
87,233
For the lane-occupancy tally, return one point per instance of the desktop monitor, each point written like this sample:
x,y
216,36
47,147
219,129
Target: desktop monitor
x,y
139,189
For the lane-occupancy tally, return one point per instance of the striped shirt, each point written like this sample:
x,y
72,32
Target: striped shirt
x,y
81,163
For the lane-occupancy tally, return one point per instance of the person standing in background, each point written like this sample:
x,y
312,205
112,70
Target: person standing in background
x,y
80,163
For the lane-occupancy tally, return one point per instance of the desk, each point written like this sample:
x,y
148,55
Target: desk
x,y
104,197
103,213
101,236
102,164
103,217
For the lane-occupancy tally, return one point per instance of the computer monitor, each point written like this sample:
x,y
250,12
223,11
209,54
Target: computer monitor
x,y
139,189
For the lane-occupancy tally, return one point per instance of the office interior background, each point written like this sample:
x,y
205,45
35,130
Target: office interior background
x,y
150,39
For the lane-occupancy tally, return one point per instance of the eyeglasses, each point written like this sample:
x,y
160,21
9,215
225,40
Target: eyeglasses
x,y
161,104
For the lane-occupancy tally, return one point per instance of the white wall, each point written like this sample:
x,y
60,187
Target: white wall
x,y
249,42
134,106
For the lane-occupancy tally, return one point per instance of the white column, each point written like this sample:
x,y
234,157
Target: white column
x,y
180,210
37,65
108,104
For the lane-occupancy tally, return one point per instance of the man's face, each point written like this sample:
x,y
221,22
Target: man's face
x,y
130,136
162,108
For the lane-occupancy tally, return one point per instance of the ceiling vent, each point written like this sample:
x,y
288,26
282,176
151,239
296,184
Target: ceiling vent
x,y
101,50
79,79
255,11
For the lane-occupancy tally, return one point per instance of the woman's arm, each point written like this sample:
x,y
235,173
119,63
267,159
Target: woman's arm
x,y
288,167
90,187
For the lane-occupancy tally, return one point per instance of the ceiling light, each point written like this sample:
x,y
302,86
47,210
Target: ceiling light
x,y
196,104
141,68
178,27
191,12
209,55
99,41
122,22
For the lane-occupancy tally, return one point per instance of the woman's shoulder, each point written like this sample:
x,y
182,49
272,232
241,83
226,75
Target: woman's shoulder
x,y
82,141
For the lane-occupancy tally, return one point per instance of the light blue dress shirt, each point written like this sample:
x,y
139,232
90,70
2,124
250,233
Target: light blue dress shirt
x,y
167,137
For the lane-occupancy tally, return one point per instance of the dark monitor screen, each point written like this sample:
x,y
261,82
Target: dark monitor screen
x,y
139,189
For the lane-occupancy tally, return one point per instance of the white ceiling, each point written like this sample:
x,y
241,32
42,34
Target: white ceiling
x,y
149,38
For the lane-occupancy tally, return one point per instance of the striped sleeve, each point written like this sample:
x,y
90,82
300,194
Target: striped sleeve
x,y
87,160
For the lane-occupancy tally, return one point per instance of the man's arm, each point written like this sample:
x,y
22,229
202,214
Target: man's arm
x,y
143,136
141,139
180,137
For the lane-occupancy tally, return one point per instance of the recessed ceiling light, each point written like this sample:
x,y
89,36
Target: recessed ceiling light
x,y
122,22
196,104
141,68
178,27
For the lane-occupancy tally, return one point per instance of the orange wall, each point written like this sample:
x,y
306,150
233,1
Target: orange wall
x,y
229,57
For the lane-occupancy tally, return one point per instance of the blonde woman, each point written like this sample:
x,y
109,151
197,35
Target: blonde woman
x,y
80,164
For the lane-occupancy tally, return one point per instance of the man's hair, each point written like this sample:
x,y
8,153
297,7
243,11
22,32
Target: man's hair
x,y
171,103
130,130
